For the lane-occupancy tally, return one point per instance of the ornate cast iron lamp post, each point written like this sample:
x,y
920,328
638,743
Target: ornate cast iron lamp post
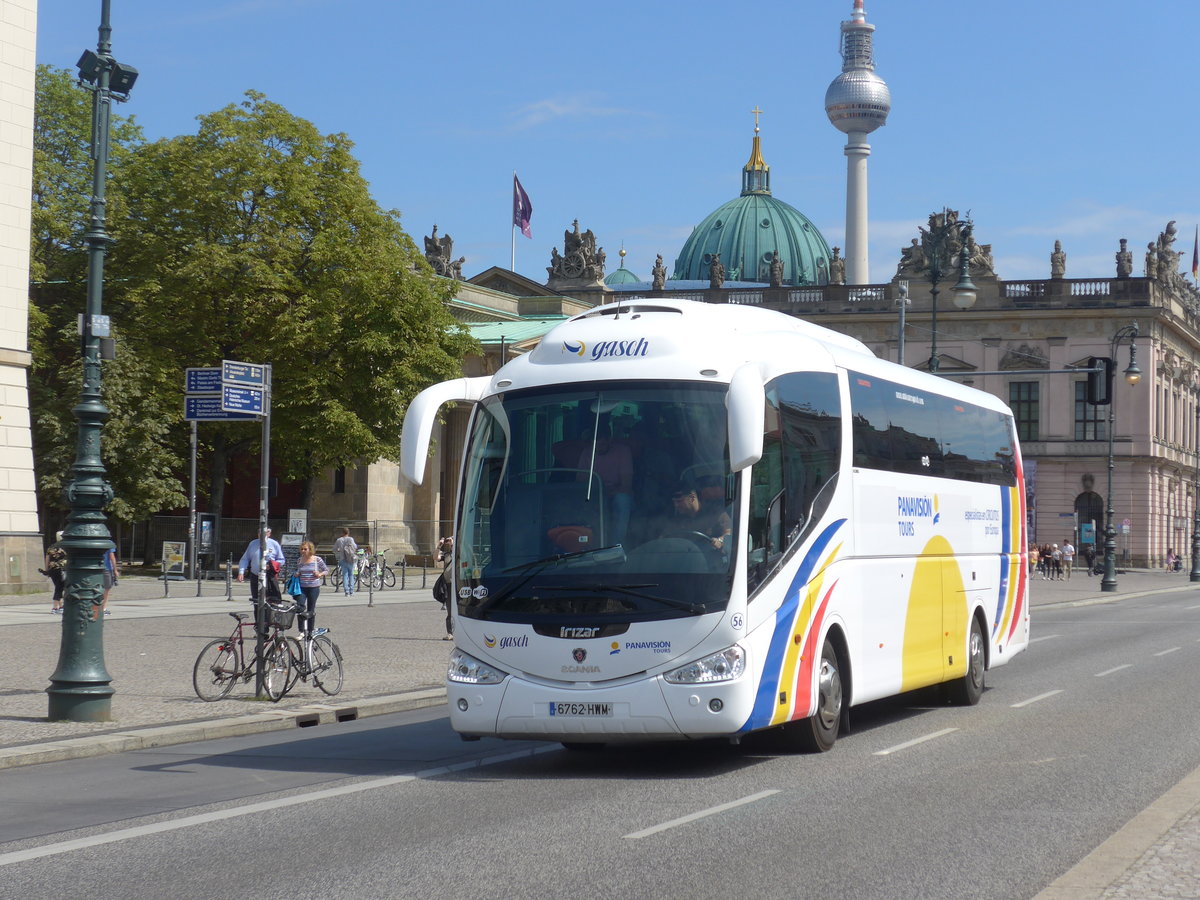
x,y
945,237
80,688
1133,375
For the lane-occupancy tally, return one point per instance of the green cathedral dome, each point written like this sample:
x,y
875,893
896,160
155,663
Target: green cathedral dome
x,y
748,230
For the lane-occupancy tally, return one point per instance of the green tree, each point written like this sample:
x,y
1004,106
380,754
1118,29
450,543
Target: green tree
x,y
257,239
136,444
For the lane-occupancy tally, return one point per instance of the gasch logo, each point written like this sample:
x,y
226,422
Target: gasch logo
x,y
575,349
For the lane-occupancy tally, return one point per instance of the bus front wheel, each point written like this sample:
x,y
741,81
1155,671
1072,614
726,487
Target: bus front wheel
x,y
817,733
967,690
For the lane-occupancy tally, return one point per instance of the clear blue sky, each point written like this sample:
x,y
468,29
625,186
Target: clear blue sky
x,y
1047,119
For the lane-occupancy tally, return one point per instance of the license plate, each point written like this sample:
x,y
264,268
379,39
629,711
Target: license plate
x,y
604,710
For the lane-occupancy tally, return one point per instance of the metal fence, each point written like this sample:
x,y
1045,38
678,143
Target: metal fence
x,y
411,541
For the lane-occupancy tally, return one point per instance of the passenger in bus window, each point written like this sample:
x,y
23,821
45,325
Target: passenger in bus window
x,y
613,465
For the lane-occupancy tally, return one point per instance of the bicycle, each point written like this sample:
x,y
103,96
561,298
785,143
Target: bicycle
x,y
314,655
381,574
223,662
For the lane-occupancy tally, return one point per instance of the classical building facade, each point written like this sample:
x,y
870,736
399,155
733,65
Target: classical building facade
x,y
1004,344
20,541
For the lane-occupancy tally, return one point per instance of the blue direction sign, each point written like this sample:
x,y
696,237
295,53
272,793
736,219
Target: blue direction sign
x,y
241,399
207,408
202,381
243,373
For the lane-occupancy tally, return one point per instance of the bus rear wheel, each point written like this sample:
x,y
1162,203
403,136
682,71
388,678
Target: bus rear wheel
x,y
967,690
817,733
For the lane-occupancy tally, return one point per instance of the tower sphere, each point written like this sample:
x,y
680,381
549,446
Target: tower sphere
x,y
858,101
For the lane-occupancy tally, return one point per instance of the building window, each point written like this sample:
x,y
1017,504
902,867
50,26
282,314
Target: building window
x,y
1023,399
339,480
1090,424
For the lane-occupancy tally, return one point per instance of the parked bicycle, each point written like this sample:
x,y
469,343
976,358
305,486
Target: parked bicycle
x,y
381,574
362,566
225,661
314,655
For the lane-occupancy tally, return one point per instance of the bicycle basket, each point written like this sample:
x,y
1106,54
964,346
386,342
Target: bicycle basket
x,y
281,616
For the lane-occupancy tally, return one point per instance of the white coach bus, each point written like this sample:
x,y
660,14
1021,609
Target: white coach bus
x,y
689,520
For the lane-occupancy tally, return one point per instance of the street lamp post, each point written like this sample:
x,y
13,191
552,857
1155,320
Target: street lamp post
x,y
1194,575
944,237
1133,375
80,688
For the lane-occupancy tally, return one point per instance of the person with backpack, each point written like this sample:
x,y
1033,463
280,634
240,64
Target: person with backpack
x,y
345,551
441,587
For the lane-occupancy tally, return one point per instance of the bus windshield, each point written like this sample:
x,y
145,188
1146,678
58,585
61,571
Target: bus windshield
x,y
598,501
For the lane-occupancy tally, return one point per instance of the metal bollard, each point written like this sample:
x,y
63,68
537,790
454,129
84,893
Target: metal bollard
x,y
403,570
229,579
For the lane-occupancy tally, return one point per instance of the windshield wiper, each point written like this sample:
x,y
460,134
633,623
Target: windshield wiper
x,y
628,590
615,553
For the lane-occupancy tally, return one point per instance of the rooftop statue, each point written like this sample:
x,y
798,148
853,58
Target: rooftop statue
x,y
658,276
716,272
439,253
580,260
1124,260
1058,261
776,270
837,268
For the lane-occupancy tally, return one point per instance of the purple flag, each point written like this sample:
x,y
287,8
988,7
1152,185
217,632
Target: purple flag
x,y
522,208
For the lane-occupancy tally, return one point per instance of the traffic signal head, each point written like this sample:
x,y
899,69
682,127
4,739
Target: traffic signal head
x,y
1100,384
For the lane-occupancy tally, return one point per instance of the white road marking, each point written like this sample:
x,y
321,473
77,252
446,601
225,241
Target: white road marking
x,y
1036,699
1192,607
1165,652
711,811
124,834
1114,669
915,741
1044,637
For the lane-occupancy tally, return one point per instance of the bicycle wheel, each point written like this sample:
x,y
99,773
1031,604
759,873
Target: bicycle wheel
x,y
389,577
296,656
327,665
335,577
216,670
277,669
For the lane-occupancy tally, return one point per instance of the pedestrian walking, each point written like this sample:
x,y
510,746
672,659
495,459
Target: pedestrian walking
x,y
1089,553
1068,557
56,566
345,551
309,570
441,587
1056,562
250,562
112,573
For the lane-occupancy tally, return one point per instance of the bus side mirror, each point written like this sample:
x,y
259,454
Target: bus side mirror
x,y
745,412
422,416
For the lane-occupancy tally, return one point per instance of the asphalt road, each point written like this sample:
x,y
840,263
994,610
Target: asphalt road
x,y
1070,741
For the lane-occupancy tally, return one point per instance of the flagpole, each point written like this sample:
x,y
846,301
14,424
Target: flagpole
x,y
512,228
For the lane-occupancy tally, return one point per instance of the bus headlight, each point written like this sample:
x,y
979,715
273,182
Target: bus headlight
x,y
466,669
723,666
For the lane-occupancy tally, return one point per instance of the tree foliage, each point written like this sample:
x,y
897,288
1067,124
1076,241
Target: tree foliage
x,y
254,239
257,239
136,446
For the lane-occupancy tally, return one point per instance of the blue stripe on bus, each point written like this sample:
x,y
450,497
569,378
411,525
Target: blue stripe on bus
x,y
764,702
1006,550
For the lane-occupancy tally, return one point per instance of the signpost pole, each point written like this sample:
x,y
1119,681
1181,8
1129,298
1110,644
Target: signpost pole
x,y
264,489
192,513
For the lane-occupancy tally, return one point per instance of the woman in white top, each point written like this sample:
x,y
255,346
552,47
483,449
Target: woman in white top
x,y
309,569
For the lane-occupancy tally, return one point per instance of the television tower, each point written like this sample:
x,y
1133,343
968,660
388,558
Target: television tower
x,y
857,102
